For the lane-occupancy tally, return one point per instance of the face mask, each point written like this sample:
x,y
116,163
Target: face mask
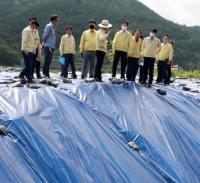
x,y
124,28
92,26
152,34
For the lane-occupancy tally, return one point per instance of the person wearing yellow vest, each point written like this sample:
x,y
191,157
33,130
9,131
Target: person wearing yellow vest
x,y
164,58
27,47
120,49
36,55
170,64
141,65
101,47
150,48
87,50
67,50
134,53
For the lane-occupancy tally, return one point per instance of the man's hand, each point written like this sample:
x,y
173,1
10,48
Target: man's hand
x,y
142,59
81,53
50,50
170,63
108,32
26,52
42,45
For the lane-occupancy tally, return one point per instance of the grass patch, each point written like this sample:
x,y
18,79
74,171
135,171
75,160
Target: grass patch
x,y
187,74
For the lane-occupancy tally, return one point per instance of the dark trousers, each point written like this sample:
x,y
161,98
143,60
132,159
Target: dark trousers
x,y
35,66
162,72
122,56
148,69
141,78
47,60
169,73
100,58
132,68
27,70
69,60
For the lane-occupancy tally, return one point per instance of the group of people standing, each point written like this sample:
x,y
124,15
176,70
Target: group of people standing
x,y
131,50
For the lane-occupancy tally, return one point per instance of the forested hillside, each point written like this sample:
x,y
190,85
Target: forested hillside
x,y
15,13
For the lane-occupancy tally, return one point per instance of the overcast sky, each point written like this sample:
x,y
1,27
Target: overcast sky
x,y
180,11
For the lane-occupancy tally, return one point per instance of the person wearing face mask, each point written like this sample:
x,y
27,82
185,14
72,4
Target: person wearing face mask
x,y
27,47
150,48
134,53
120,48
164,58
101,47
87,50
67,50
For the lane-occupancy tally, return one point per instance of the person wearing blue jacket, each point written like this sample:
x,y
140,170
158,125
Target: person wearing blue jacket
x,y
49,43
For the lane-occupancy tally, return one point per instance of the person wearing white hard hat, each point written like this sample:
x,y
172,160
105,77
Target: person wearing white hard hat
x,y
101,47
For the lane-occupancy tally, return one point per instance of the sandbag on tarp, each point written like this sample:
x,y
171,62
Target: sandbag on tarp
x,y
167,126
56,138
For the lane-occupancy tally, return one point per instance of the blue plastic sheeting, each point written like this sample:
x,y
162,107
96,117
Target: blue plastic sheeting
x,y
57,137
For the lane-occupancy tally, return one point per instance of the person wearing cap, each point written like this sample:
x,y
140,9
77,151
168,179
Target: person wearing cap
x,y
120,48
27,47
134,54
150,48
67,50
164,58
49,43
36,55
87,50
101,47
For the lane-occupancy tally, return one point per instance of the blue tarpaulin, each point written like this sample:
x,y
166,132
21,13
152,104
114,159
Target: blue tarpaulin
x,y
82,136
